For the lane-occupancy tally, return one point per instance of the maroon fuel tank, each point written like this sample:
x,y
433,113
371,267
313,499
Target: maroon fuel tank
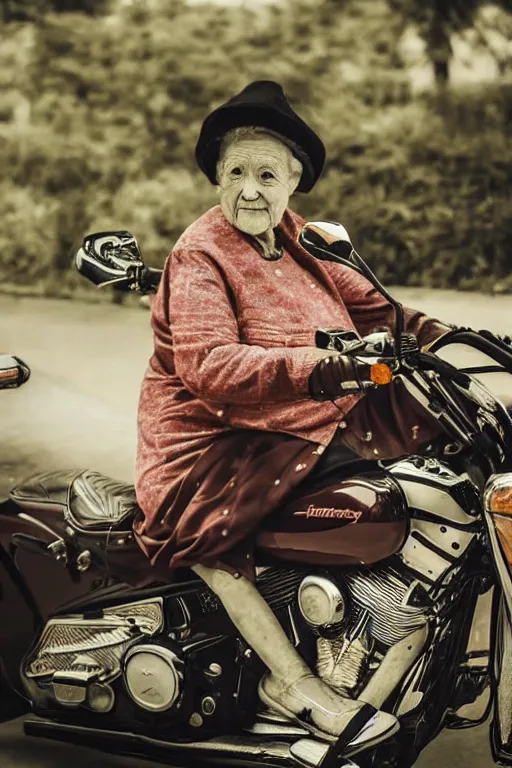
x,y
360,520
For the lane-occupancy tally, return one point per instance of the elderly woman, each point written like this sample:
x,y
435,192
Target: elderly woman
x,y
238,406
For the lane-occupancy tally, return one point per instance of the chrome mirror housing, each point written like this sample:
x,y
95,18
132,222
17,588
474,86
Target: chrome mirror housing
x,y
111,258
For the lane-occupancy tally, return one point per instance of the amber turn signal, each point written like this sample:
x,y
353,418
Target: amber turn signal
x,y
504,529
380,373
499,501
11,374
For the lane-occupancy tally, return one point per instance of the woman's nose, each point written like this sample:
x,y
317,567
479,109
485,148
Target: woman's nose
x,y
250,190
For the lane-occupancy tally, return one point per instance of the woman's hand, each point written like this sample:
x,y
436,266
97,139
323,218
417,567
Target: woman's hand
x,y
339,375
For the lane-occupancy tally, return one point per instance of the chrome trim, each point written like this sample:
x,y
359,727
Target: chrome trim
x,y
293,627
169,686
208,705
436,501
214,670
332,228
84,561
435,552
95,691
285,729
65,639
69,694
494,483
502,567
204,642
336,602
503,675
431,468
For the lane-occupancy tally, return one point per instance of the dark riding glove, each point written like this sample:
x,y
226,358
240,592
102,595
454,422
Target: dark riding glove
x,y
339,375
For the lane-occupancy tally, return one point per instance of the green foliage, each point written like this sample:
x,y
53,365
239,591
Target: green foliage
x,y
425,210
99,117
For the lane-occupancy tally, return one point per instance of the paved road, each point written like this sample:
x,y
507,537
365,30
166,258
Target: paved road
x,y
79,410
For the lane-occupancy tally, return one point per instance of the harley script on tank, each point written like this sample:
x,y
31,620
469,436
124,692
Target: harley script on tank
x,y
347,514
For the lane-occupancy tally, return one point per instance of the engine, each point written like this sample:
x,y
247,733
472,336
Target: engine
x,y
360,614
171,664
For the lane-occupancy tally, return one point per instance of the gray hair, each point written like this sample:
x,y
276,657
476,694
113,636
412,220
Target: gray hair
x,y
248,132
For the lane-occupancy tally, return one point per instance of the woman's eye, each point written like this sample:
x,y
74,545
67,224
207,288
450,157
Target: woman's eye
x,y
267,175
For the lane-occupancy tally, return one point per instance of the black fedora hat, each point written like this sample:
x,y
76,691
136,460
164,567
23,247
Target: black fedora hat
x,y
262,104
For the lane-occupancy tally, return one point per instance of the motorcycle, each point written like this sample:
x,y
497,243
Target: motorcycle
x,y
95,653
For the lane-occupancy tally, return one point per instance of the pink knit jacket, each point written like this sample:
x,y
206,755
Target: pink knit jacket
x,y
234,345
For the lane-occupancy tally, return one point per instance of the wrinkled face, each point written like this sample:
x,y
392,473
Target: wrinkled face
x,y
256,177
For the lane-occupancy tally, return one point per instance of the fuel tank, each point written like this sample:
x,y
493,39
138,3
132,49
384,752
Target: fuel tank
x,y
354,521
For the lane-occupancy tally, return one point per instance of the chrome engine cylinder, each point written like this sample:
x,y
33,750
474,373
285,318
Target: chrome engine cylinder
x,y
321,601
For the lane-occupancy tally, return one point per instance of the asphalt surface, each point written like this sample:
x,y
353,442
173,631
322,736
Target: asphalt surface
x,y
79,410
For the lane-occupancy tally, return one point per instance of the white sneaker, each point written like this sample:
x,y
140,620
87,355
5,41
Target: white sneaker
x,y
356,724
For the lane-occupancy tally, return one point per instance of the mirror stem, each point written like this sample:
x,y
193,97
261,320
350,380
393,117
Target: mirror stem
x,y
399,313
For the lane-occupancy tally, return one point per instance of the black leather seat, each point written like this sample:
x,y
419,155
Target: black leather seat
x,y
100,503
89,500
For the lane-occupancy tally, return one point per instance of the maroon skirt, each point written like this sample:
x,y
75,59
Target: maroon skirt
x,y
244,476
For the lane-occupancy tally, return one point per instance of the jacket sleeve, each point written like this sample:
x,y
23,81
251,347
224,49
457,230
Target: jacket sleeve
x,y
209,356
371,312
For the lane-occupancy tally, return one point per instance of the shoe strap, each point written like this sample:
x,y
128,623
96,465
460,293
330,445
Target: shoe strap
x,y
335,753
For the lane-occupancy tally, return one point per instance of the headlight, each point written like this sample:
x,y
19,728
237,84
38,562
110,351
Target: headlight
x,y
498,502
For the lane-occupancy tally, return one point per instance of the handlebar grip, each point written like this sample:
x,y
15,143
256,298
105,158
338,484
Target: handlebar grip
x,y
150,279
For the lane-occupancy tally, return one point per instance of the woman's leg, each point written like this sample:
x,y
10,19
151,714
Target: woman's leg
x,y
256,622
291,684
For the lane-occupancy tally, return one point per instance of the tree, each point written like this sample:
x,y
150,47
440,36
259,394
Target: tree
x,y
31,10
437,20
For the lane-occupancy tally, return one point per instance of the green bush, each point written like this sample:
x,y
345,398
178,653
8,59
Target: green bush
x,y
425,190
28,235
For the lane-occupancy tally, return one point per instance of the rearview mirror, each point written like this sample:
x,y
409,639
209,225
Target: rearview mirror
x,y
329,241
114,258
110,258
13,372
